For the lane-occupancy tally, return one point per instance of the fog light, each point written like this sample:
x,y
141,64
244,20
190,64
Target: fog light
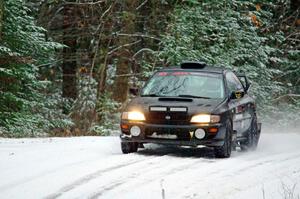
x,y
135,131
200,133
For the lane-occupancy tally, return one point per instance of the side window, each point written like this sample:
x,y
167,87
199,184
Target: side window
x,y
233,82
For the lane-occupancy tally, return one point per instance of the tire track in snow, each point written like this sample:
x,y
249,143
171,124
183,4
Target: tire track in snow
x,y
281,159
210,175
159,155
117,183
195,155
130,176
282,165
93,176
38,175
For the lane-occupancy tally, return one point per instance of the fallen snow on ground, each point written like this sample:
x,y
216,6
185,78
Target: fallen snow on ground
x,y
94,167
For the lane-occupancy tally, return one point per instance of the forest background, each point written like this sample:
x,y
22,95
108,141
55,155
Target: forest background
x,y
66,67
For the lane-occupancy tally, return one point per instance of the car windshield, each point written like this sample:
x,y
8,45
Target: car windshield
x,y
185,84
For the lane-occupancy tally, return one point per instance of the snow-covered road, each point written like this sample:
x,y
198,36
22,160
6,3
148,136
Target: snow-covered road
x,y
93,167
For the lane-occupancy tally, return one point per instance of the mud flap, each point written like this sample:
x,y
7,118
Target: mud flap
x,y
141,145
259,129
234,140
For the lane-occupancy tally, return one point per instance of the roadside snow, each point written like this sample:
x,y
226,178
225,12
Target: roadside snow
x,y
93,167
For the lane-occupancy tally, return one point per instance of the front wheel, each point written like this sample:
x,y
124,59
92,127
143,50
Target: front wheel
x,y
129,147
224,151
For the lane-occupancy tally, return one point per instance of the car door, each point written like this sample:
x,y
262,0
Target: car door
x,y
249,104
236,106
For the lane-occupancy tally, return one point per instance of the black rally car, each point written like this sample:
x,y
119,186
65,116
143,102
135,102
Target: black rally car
x,y
192,105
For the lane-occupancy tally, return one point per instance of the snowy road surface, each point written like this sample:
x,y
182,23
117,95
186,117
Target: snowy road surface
x,y
93,167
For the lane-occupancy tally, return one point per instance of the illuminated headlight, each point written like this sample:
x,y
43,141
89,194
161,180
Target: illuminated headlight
x,y
133,115
205,118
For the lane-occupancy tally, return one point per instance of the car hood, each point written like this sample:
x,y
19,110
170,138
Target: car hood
x,y
194,105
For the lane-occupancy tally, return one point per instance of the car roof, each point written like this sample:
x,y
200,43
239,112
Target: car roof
x,y
206,69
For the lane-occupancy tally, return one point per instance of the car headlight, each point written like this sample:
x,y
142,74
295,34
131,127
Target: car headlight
x,y
133,115
205,118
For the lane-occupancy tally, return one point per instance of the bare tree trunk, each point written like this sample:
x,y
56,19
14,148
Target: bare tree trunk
x,y
69,89
121,86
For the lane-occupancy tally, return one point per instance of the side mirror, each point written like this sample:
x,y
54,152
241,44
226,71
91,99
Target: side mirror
x,y
244,80
237,94
248,85
134,91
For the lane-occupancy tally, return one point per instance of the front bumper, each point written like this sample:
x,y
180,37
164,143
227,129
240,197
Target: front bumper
x,y
184,133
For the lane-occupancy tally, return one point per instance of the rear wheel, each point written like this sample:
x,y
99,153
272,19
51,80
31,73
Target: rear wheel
x,y
224,151
129,147
252,137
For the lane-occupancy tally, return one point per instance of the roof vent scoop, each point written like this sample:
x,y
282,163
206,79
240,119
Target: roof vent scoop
x,y
193,65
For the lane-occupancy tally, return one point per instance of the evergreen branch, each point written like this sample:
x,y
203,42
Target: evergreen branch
x,y
15,60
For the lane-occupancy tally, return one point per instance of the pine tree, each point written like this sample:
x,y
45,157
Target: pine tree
x,y
23,47
246,37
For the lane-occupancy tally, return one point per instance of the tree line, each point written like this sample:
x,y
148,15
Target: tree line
x,y
66,66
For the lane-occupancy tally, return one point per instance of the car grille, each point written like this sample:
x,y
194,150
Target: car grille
x,y
169,118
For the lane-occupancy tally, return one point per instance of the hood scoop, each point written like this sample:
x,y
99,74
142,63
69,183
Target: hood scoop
x,y
178,99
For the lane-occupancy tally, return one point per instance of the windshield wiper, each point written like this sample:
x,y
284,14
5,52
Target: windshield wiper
x,y
190,96
194,96
150,95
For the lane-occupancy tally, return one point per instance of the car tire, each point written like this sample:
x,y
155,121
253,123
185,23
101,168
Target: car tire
x,y
224,151
252,137
129,147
